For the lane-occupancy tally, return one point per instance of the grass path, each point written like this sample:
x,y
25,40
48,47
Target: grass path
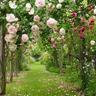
x,y
39,82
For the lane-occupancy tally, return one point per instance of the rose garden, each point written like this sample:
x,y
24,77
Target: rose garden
x,y
48,48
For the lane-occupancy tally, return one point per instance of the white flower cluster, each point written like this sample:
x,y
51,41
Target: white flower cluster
x,y
29,9
59,5
92,42
95,11
12,4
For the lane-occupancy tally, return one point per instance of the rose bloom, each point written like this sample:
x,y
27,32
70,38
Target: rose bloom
x,y
51,23
9,38
50,7
40,3
12,29
12,5
24,38
35,28
59,6
74,1
11,18
81,35
28,6
36,18
92,42
74,14
54,45
82,29
60,1
91,21
62,31
95,11
31,12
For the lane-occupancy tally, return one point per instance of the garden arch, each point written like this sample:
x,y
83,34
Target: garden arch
x,y
74,21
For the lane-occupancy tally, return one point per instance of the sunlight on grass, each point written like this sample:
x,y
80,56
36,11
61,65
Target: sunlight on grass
x,y
39,82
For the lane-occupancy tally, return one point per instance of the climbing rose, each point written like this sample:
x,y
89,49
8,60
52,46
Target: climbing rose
x,y
74,1
91,21
81,35
54,45
95,11
36,18
82,29
12,29
59,6
35,28
51,23
92,42
62,31
12,5
52,40
11,18
28,6
60,1
40,3
9,38
24,38
12,47
74,14
31,12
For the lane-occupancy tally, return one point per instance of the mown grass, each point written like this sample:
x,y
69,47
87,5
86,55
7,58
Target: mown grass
x,y
39,82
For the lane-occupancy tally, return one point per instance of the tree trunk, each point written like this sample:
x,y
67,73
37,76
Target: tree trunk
x,y
2,62
83,68
11,66
60,59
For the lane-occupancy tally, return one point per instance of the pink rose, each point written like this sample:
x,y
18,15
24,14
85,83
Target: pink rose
x,y
36,18
12,29
25,38
40,3
54,45
11,18
51,23
74,14
35,28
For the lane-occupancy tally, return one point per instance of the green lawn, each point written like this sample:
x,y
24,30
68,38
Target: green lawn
x,y
39,82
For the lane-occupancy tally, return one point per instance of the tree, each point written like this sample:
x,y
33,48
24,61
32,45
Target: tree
x,y
2,62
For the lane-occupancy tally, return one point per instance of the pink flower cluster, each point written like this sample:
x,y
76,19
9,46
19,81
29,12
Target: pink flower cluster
x,y
24,38
40,3
11,18
51,23
12,29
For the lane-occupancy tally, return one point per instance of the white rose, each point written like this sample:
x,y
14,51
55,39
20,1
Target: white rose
x,y
12,5
40,3
62,31
52,23
95,11
59,6
92,42
60,1
11,18
28,6
31,12
35,28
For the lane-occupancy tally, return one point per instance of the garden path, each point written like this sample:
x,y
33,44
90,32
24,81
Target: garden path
x,y
39,82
